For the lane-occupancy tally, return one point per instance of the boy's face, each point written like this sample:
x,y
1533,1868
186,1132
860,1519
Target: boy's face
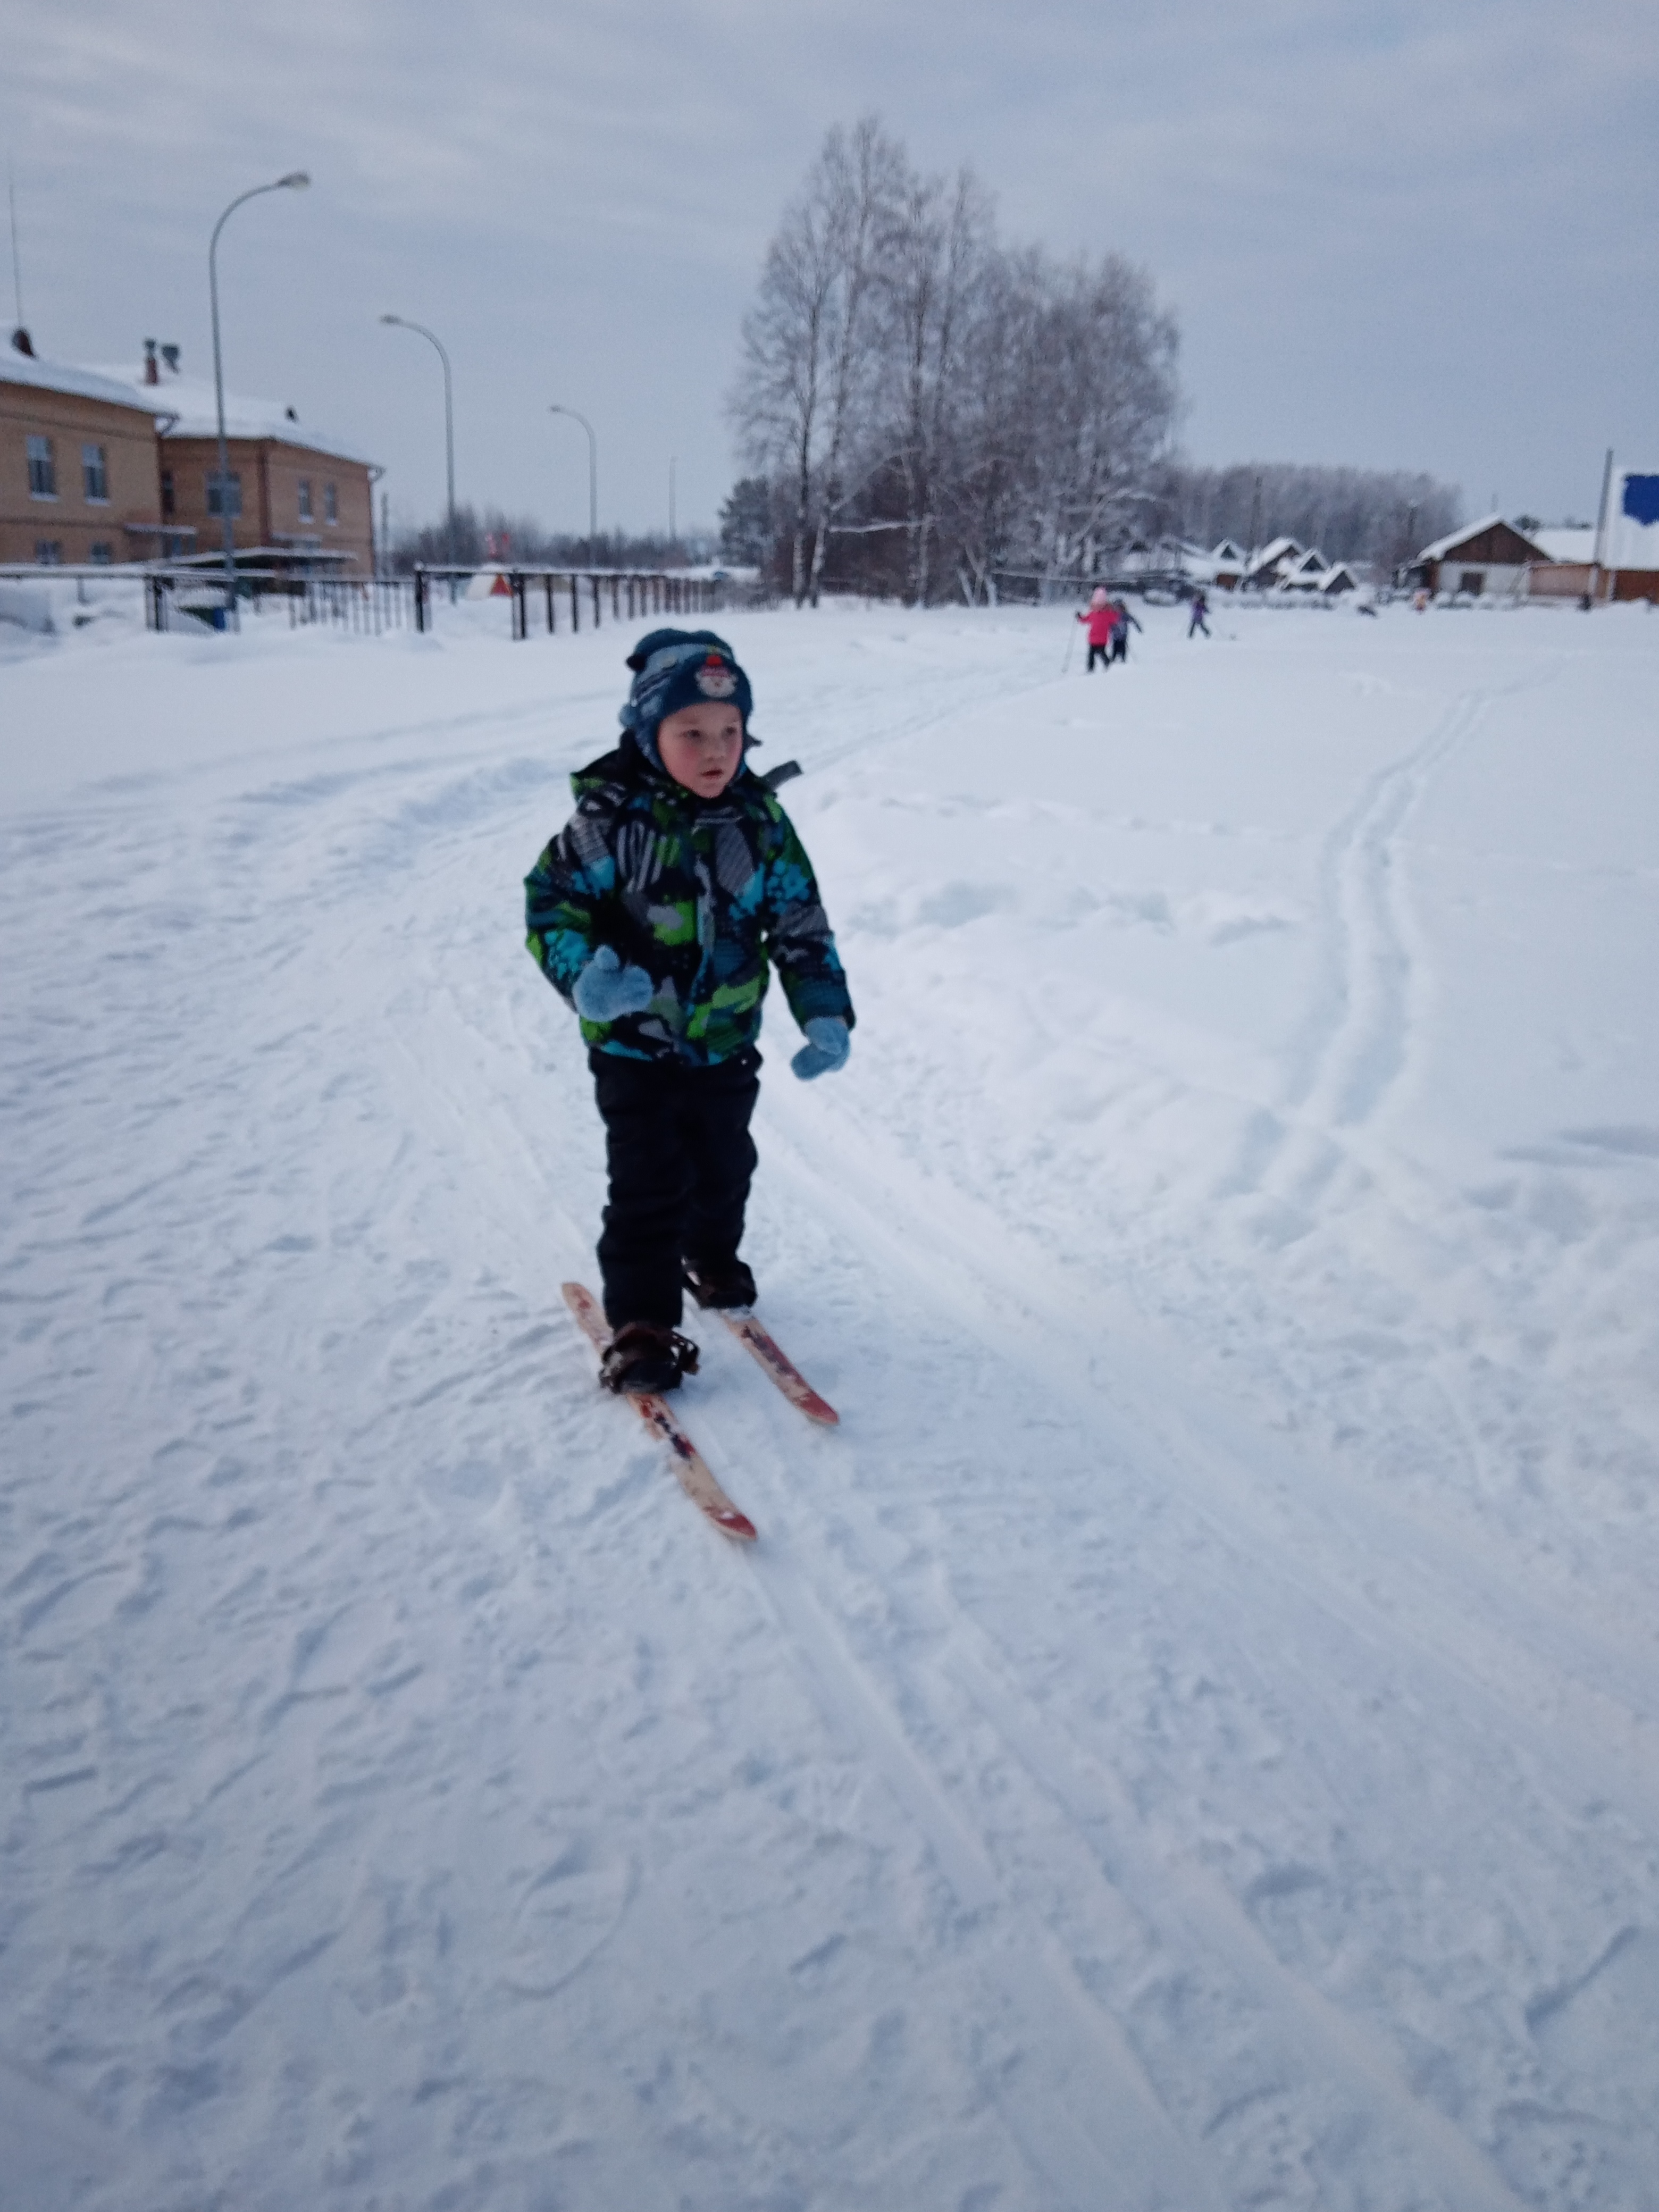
x,y
701,746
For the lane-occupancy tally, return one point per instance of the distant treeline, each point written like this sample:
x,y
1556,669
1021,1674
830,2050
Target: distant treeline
x,y
1380,517
492,535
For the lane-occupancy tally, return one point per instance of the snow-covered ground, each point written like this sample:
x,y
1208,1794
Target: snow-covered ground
x,y
1188,1741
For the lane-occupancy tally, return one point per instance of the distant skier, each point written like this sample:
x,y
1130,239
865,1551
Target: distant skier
x,y
656,913
1101,616
1200,607
1124,623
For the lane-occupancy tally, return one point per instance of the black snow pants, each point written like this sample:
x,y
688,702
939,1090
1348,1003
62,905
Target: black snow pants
x,y
681,1159
1104,654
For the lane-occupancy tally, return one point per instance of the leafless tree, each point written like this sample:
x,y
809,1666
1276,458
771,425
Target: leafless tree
x,y
944,409
807,351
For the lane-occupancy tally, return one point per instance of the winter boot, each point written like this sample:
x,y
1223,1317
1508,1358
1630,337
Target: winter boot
x,y
720,1283
644,1357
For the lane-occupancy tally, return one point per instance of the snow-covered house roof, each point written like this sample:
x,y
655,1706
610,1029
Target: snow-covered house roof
x,y
1273,559
191,399
1227,553
1572,542
1464,535
39,375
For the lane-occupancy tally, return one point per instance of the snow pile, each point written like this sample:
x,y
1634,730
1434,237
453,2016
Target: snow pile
x,y
1187,1741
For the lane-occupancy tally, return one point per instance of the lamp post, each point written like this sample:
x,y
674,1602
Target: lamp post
x,y
295,181
593,478
403,324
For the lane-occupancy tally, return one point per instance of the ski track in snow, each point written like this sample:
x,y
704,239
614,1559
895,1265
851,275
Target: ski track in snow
x,y
1128,1773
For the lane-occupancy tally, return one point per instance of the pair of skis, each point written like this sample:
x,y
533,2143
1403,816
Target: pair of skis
x,y
696,1478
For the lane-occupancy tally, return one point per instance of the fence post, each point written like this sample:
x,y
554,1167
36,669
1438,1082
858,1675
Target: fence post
x,y
420,599
547,584
595,580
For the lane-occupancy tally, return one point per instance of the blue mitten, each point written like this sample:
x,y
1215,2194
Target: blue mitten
x,y
605,989
826,1047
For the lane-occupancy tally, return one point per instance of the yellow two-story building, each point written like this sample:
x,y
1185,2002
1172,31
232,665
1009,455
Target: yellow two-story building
x,y
80,477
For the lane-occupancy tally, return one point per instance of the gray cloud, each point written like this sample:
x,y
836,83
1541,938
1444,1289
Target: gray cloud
x,y
1395,233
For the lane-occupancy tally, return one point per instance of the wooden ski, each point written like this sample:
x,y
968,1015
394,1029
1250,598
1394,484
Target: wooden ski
x,y
758,1340
696,1478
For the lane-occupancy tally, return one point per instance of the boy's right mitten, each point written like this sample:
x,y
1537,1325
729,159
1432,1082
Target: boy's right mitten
x,y
606,989
826,1047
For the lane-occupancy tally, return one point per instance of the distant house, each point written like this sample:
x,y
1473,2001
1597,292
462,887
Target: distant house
x,y
1272,563
1313,577
79,479
1483,560
1568,567
298,498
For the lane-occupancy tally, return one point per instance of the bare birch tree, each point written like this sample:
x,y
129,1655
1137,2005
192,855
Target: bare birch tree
x,y
941,409
807,355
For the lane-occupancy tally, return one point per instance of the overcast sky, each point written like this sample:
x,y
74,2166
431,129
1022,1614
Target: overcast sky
x,y
1403,233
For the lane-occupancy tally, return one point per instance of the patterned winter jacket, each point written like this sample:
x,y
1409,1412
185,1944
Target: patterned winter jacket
x,y
702,894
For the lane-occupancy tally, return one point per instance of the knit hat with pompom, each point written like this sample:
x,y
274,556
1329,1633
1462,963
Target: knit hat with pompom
x,y
676,668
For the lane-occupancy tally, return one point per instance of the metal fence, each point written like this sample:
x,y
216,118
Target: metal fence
x,y
559,594
551,599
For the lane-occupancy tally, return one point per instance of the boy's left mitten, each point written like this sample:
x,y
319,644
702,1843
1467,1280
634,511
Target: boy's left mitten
x,y
606,990
827,1046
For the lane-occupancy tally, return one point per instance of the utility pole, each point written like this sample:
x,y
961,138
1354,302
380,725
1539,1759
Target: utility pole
x,y
1600,528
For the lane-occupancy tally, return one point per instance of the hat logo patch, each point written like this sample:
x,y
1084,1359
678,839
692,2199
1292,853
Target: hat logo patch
x,y
715,680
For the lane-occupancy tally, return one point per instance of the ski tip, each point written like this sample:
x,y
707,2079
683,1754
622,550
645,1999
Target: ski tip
x,y
737,1524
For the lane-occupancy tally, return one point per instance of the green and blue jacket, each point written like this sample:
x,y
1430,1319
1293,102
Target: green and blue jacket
x,y
707,895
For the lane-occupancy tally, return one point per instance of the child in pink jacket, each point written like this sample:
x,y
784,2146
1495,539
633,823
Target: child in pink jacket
x,y
1101,615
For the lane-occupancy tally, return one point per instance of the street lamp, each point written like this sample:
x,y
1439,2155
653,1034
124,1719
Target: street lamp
x,y
403,324
295,181
593,478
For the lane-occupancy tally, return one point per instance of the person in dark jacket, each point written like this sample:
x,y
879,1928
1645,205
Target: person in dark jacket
x,y
1124,623
658,913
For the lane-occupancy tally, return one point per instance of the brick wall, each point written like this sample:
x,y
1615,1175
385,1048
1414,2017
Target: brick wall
x,y
71,517
272,474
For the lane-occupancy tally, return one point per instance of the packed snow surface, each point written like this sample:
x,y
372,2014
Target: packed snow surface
x,y
1187,1741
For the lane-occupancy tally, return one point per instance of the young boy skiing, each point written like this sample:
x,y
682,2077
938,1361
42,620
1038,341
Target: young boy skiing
x,y
1122,622
655,912
1100,617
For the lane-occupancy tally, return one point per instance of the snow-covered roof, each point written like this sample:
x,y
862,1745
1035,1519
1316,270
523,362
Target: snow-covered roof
x,y
1281,549
60,376
1465,530
191,399
1574,541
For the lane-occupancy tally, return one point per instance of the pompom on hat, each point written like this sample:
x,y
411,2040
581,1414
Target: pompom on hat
x,y
676,668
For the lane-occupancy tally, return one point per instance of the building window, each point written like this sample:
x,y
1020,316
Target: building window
x,y
331,503
49,552
304,500
1474,581
169,504
234,488
43,470
94,472
102,553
